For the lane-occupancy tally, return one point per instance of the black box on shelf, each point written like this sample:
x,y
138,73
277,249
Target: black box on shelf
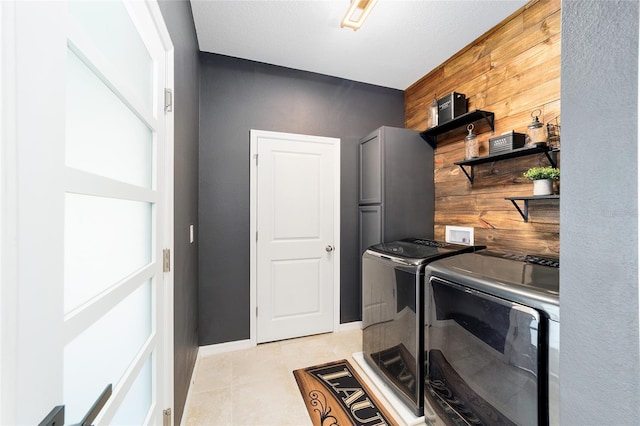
x,y
451,106
506,142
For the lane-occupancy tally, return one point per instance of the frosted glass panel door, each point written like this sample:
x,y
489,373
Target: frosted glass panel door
x,y
114,149
103,135
94,184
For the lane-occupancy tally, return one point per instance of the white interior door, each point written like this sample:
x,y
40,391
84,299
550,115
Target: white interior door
x,y
296,242
88,199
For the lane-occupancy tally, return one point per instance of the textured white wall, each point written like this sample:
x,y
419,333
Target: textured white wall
x,y
599,334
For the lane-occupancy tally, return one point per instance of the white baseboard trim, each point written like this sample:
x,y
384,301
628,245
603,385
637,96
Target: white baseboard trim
x,y
348,326
220,348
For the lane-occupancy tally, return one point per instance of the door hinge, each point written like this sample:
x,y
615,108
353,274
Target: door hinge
x,y
256,235
166,417
255,157
168,100
256,311
166,260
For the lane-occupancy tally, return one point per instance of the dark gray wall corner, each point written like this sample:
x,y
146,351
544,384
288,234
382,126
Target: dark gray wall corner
x,y
350,289
599,331
179,21
237,96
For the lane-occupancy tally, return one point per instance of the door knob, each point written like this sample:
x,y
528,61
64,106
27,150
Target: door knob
x,y
329,248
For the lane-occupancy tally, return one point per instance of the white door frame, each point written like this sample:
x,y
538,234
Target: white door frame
x,y
169,231
9,239
253,176
8,214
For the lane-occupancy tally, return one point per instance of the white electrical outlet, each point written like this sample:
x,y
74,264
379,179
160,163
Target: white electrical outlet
x,y
459,235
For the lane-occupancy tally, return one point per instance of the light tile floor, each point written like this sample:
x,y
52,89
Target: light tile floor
x,y
256,386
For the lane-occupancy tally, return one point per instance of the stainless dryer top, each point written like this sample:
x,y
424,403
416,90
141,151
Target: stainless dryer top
x,y
520,281
417,251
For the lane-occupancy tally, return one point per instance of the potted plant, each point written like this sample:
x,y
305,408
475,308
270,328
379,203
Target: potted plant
x,y
542,178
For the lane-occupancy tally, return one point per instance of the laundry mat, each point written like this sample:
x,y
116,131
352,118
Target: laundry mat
x,y
334,394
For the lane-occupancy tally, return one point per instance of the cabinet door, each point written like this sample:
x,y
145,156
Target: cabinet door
x,y
370,226
370,169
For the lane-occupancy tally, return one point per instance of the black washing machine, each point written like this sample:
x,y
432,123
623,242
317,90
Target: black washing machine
x,y
393,297
492,339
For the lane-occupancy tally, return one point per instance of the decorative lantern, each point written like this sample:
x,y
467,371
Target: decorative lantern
x,y
553,132
471,148
536,131
433,113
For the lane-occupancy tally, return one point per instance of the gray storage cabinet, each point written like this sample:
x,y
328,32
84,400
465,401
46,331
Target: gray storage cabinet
x,y
396,190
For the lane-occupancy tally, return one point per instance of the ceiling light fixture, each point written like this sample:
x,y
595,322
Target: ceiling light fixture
x,y
357,13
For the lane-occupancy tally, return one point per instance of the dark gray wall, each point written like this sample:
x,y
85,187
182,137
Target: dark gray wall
x,y
179,21
599,355
239,95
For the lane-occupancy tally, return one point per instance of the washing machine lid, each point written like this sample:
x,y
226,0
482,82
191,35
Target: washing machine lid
x,y
416,251
522,279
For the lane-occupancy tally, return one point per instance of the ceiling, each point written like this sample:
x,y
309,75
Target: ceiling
x,y
400,42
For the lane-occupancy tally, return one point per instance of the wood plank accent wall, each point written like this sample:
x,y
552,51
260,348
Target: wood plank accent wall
x,y
511,70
